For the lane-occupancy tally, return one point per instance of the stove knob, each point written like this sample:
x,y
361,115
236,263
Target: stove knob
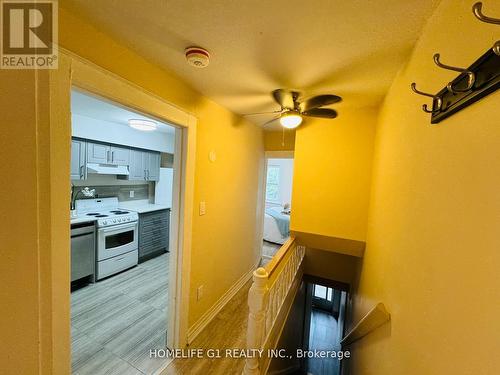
x,y
104,222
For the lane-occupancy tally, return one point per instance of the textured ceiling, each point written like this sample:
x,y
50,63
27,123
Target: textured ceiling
x,y
350,48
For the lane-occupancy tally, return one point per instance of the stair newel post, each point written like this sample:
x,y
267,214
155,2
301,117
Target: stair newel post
x,y
257,302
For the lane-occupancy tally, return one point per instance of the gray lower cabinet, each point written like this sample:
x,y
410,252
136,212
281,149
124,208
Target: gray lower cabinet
x,y
78,159
154,230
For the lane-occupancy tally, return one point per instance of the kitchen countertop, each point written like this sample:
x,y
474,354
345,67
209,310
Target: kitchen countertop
x,y
139,206
142,206
82,219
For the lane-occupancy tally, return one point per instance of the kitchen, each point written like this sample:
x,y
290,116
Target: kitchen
x,y
121,198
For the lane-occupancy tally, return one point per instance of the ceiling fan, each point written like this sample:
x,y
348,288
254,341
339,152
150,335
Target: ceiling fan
x,y
293,110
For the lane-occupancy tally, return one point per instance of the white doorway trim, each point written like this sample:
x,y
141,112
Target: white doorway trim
x,y
77,72
261,209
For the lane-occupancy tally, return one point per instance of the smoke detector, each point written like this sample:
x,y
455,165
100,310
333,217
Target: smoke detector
x,y
197,57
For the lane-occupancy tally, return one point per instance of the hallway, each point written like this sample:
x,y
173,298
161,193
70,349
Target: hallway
x,y
226,331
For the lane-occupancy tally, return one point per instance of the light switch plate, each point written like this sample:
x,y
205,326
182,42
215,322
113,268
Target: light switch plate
x,y
132,193
199,293
203,208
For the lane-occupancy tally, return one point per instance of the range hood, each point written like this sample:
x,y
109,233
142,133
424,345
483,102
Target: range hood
x,y
107,169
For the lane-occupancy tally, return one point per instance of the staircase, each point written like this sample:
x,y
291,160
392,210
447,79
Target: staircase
x,y
269,300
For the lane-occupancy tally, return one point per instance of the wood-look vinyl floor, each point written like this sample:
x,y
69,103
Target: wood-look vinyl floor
x,y
226,331
268,251
323,336
115,322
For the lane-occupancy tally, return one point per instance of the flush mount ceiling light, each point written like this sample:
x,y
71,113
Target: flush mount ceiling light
x,y
141,124
290,119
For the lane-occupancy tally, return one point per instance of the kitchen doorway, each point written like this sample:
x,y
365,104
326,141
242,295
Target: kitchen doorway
x,y
126,194
277,202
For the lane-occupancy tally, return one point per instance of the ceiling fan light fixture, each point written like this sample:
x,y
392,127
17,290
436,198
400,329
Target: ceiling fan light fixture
x,y
290,120
142,124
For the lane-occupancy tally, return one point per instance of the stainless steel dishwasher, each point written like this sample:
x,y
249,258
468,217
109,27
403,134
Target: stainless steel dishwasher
x,y
82,251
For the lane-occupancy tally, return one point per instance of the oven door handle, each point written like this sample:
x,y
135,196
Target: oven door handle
x,y
118,227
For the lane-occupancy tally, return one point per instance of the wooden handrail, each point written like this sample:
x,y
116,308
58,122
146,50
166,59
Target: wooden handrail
x,y
268,300
278,257
375,318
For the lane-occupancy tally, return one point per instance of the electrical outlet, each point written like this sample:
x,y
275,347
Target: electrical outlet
x,y
132,193
199,293
203,208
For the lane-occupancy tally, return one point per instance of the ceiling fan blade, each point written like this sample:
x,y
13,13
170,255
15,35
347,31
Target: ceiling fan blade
x,y
321,112
285,98
260,113
270,122
319,101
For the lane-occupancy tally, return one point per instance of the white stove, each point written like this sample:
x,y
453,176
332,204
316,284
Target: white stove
x,y
117,234
106,211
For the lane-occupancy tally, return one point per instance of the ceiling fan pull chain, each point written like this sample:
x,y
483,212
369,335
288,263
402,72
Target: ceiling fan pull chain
x,y
283,138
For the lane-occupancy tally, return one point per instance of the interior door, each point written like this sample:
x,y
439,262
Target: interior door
x,y
323,298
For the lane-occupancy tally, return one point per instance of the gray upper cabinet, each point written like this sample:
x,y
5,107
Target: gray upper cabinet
x,y
77,159
119,155
106,154
143,165
153,166
98,153
136,166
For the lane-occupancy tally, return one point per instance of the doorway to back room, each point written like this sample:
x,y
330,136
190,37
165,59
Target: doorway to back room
x,y
278,204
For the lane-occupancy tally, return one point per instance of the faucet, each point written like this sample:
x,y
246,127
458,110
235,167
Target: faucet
x,y
89,193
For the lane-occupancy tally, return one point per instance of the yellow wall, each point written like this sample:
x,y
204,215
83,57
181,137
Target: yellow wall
x,y
332,171
223,243
18,235
215,261
433,241
330,265
274,140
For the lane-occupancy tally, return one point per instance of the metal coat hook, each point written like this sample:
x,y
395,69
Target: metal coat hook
x,y
496,48
439,101
477,10
471,77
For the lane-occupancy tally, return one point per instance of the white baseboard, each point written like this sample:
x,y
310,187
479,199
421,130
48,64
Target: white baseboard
x,y
211,313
